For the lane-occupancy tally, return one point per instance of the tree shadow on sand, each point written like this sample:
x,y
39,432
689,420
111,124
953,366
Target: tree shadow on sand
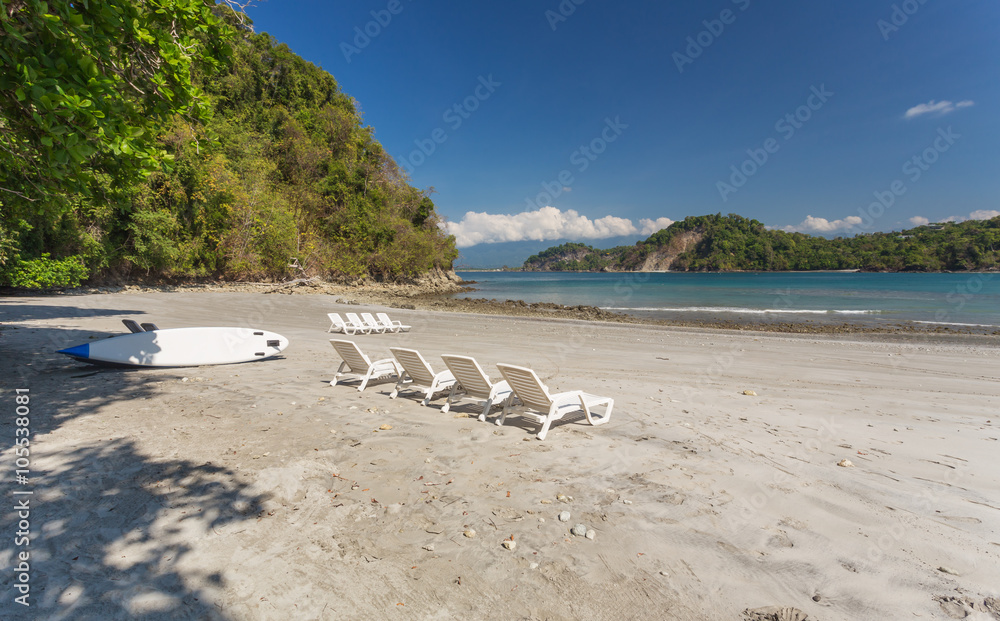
x,y
115,533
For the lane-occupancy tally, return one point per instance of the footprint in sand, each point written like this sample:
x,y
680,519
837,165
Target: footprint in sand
x,y
962,607
775,613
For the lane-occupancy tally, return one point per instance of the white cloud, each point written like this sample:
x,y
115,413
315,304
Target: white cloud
x,y
979,214
984,214
547,223
936,107
919,221
648,227
822,225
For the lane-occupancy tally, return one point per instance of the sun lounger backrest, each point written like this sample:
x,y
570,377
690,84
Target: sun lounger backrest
x,y
414,364
371,322
352,355
392,324
354,320
526,385
469,374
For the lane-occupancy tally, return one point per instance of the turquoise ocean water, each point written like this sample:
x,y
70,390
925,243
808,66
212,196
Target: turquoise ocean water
x,y
958,299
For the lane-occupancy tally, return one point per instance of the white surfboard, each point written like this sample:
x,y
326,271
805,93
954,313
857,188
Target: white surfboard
x,y
181,347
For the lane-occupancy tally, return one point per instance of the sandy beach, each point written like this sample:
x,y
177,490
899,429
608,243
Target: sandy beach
x,y
258,491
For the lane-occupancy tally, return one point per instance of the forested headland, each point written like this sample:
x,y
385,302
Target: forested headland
x,y
144,141
735,243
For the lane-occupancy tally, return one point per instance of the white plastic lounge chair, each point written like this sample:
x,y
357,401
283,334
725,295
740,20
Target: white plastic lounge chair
x,y
392,324
337,324
356,365
534,399
372,324
472,382
419,374
355,322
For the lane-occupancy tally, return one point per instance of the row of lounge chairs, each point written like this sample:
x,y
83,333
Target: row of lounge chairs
x,y
521,391
365,324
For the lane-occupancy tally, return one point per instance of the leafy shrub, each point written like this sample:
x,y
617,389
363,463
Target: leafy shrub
x,y
44,272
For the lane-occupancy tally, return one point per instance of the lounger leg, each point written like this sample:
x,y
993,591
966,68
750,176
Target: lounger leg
x,y
395,391
545,428
364,381
553,414
506,406
451,395
338,374
486,410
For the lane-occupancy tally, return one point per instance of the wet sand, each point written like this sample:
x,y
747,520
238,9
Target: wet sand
x,y
258,491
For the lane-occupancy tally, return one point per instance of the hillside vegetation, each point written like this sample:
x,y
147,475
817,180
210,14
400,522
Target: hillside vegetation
x,y
275,164
735,243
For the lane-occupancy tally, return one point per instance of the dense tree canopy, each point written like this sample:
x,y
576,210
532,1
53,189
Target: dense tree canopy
x,y
735,243
86,85
197,149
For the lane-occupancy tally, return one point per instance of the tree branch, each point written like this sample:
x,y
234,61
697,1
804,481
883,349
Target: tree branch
x,y
31,200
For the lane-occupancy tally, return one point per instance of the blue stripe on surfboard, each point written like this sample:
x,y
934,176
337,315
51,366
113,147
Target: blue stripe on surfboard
x,y
80,351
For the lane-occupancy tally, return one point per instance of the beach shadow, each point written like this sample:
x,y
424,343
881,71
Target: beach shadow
x,y
12,311
114,533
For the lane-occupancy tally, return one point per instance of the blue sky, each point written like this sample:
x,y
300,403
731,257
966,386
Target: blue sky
x,y
588,120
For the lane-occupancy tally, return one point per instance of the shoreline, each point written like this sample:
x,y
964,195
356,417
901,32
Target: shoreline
x,y
433,294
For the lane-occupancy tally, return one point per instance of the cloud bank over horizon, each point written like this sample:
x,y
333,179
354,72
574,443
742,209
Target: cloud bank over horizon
x,y
814,225
852,224
547,223
551,223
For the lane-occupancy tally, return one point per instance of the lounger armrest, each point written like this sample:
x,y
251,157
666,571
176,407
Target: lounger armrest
x,y
500,389
388,362
589,401
563,399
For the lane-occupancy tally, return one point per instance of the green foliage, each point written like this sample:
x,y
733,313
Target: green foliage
x,y
44,272
8,246
568,257
86,85
735,243
269,159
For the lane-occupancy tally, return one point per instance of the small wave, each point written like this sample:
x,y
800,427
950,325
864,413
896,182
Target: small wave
x,y
954,323
743,311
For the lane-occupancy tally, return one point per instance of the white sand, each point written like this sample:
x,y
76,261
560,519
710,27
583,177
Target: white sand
x,y
258,491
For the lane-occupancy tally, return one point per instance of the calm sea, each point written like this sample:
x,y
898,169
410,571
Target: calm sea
x,y
948,299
